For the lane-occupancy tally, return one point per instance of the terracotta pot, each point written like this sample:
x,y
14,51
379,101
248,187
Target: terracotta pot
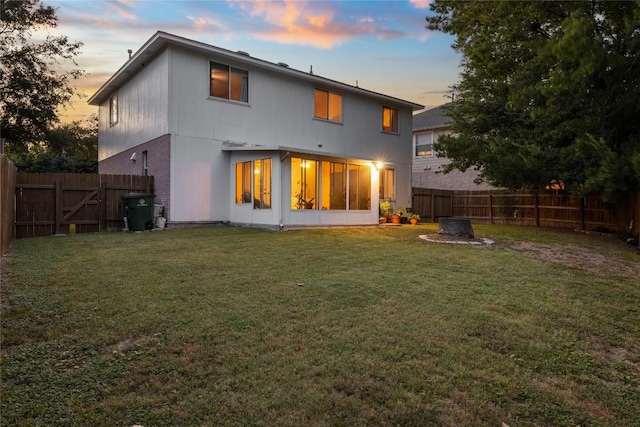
x,y
395,219
414,221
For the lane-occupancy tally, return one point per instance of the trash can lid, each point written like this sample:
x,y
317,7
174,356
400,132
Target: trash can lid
x,y
136,195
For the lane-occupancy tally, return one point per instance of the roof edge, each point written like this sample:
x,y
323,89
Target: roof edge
x,y
160,40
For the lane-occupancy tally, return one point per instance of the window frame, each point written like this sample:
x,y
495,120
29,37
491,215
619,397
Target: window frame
x,y
231,72
308,191
113,109
351,191
382,184
358,196
243,183
416,145
394,126
262,182
327,116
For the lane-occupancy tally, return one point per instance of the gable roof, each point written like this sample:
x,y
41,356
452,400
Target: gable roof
x,y
161,40
431,119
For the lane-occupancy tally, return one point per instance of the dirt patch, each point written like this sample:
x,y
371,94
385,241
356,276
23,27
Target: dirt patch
x,y
580,257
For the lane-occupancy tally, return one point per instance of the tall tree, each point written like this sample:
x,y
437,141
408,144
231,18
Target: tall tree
x,y
69,147
32,85
549,91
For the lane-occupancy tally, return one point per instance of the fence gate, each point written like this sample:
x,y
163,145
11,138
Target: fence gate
x,y
48,204
432,204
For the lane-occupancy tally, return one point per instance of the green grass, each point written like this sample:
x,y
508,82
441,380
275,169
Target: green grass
x,y
346,327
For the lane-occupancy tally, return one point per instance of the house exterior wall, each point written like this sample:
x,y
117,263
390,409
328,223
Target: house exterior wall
x,y
158,164
142,110
165,109
279,113
427,170
199,180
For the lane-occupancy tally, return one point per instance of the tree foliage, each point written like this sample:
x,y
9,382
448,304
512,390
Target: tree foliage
x,y
71,147
548,91
33,85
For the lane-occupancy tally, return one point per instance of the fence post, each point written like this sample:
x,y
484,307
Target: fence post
x,y
537,210
58,204
582,213
433,206
636,221
451,200
490,208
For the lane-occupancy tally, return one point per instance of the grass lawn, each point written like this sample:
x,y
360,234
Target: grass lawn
x,y
335,327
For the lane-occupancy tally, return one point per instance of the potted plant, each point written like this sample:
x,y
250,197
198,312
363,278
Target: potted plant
x,y
397,216
385,210
413,218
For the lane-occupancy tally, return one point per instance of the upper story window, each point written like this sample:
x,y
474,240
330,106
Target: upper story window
x,y
113,109
389,119
328,105
424,144
229,83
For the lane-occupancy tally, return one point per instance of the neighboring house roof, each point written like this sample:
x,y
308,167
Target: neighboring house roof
x,y
160,40
431,119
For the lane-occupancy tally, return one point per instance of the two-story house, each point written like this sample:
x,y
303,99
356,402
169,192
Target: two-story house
x,y
233,138
427,167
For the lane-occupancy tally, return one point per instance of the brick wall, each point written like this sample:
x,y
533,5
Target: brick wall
x,y
158,164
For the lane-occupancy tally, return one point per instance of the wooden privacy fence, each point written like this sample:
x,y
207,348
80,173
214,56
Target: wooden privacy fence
x,y
539,209
432,204
7,206
62,203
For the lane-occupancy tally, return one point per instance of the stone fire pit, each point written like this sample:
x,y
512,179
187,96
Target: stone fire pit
x,y
456,227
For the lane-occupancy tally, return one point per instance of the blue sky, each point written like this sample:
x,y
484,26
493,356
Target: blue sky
x,y
383,45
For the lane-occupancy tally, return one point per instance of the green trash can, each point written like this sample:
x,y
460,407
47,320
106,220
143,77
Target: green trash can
x,y
138,210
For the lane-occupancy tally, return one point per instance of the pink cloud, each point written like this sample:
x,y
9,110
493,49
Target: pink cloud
x,y
123,9
307,23
420,4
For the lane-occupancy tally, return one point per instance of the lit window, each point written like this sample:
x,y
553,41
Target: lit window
x,y
389,119
328,105
243,182
387,184
424,144
359,187
229,83
334,185
262,184
113,109
304,183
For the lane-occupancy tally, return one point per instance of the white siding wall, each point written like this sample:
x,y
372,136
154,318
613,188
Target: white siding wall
x,y
142,110
279,113
199,180
170,95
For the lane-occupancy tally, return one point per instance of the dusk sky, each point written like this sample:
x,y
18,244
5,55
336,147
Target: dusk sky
x,y
383,45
